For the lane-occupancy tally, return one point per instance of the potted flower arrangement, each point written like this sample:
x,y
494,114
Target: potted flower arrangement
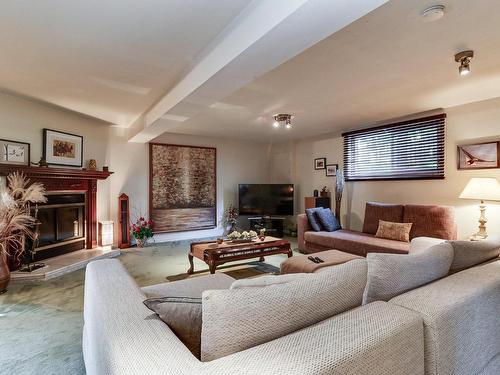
x,y
142,231
16,222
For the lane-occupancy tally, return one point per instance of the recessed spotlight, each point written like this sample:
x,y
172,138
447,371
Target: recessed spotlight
x,y
464,59
433,13
276,124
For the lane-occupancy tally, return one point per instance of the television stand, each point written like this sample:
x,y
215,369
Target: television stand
x,y
272,225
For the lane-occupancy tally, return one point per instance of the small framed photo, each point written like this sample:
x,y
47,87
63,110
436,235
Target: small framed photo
x,y
479,156
61,148
331,170
319,163
13,152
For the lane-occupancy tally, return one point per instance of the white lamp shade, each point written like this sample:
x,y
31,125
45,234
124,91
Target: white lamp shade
x,y
482,188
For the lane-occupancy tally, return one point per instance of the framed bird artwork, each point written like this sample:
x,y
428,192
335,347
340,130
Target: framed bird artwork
x,y
479,156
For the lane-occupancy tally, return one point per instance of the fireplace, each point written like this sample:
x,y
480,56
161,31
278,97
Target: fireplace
x,y
68,221
61,224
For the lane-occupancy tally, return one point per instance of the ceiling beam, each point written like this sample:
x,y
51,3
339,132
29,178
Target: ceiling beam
x,y
263,36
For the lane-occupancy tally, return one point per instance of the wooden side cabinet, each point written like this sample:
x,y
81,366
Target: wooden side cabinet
x,y
124,219
312,202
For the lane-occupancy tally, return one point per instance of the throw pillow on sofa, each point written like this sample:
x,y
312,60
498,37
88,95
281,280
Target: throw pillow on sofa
x,y
238,319
471,253
313,219
390,275
183,316
375,211
328,220
394,231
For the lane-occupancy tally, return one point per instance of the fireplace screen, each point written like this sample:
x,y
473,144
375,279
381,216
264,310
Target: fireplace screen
x,y
61,224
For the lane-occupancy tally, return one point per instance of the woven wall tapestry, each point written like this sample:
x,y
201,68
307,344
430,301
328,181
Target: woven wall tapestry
x,y
183,190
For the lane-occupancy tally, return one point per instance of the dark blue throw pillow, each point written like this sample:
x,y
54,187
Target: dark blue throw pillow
x,y
328,220
313,218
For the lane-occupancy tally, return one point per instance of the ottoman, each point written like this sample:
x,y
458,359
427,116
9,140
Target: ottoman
x,y
300,263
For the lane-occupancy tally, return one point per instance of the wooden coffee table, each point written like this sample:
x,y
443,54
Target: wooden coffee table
x,y
215,254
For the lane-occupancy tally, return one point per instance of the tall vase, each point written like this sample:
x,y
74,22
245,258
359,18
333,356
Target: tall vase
x,y
339,189
4,274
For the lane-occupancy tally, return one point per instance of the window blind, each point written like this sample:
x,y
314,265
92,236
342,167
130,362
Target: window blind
x,y
405,150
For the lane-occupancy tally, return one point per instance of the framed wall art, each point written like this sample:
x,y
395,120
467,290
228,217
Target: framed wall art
x,y
319,163
13,152
183,187
479,156
331,170
61,148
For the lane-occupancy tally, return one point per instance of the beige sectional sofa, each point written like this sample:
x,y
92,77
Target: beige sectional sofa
x,y
450,326
428,221
123,337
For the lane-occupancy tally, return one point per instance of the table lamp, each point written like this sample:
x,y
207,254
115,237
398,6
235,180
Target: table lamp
x,y
482,189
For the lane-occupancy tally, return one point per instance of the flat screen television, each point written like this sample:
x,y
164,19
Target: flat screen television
x,y
265,199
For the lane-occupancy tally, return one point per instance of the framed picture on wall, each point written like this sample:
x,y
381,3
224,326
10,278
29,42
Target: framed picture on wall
x,y
183,187
61,148
479,156
331,170
319,163
13,152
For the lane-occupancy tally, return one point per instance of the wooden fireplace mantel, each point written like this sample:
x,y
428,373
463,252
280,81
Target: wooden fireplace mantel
x,y
49,172
67,179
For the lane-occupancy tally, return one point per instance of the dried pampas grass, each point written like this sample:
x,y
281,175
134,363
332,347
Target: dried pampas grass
x,y
16,221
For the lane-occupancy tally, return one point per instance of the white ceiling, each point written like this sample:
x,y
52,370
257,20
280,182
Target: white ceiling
x,y
109,59
123,60
385,65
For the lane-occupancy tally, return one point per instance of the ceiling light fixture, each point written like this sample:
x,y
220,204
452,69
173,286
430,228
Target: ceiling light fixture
x,y
283,117
433,13
464,58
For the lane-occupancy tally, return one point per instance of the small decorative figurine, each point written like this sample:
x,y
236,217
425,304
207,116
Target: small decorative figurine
x,y
41,163
92,165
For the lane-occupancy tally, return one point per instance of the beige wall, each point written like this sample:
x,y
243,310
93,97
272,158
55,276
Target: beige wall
x,y
237,162
475,122
23,120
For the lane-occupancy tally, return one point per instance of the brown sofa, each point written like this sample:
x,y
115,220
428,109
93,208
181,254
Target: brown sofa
x,y
428,221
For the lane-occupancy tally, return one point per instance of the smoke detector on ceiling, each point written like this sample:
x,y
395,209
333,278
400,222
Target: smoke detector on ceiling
x,y
433,13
